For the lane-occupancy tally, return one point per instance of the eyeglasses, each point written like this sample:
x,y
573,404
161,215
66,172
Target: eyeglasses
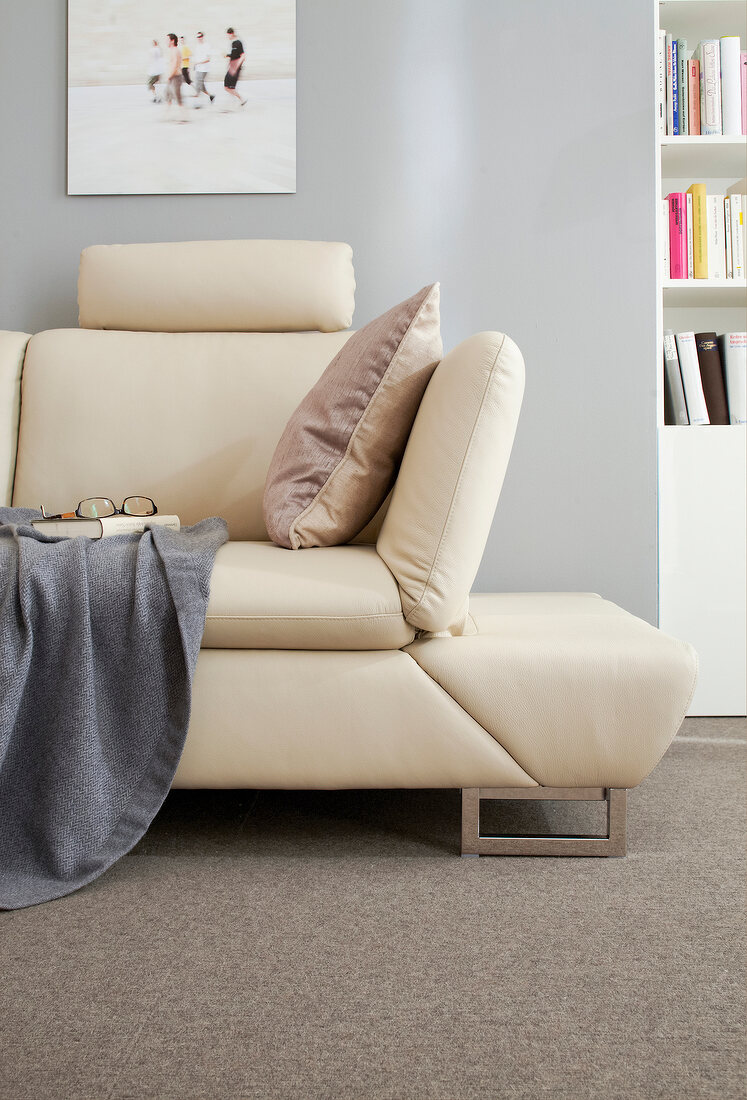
x,y
99,507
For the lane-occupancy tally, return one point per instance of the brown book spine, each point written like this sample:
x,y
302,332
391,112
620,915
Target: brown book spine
x,y
712,377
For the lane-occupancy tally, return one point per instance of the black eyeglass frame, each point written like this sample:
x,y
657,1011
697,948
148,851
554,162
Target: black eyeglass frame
x,y
116,512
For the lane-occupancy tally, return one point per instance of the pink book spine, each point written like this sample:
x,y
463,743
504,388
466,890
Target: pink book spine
x,y
677,234
743,75
693,87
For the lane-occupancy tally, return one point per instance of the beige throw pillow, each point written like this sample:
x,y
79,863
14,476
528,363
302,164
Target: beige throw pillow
x,y
339,454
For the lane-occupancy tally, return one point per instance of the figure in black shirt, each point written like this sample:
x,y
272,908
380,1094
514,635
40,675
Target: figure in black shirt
x,y
235,61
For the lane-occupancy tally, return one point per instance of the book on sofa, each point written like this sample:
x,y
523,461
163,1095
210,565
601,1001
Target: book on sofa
x,y
101,528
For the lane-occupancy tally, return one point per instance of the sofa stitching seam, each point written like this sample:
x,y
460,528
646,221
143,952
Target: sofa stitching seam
x,y
304,618
469,715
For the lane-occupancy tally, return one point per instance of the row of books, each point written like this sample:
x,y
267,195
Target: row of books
x,y
701,91
704,234
705,378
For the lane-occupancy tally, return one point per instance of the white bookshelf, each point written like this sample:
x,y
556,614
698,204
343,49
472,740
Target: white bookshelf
x,y
702,470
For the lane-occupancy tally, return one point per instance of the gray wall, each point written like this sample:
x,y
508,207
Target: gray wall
x,y
431,139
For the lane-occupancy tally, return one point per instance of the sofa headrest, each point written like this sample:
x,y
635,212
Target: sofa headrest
x,y
217,286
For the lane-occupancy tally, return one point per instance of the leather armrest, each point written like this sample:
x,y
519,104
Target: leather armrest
x,y
12,353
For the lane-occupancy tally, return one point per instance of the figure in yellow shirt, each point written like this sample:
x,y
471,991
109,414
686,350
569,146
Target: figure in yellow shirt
x,y
186,58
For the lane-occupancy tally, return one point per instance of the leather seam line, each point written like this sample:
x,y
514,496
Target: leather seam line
x,y
305,618
449,514
469,715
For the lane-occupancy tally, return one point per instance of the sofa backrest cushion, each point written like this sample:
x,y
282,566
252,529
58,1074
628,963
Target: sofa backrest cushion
x,y
217,286
435,530
191,419
339,454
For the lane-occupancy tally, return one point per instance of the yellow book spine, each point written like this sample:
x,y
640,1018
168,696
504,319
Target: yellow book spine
x,y
700,237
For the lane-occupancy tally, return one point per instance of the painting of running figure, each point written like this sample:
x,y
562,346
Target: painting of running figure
x,y
189,98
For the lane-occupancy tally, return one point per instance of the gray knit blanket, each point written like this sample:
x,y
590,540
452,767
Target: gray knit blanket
x,y
98,645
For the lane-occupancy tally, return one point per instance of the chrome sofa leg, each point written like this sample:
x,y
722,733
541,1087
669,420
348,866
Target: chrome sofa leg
x,y
612,844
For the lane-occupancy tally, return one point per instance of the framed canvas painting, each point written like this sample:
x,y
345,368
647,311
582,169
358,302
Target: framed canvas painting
x,y
188,99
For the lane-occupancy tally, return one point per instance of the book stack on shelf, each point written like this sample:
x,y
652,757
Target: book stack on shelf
x,y
704,235
704,90
705,378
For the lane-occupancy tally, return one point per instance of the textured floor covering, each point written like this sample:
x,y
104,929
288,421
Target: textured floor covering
x,y
333,945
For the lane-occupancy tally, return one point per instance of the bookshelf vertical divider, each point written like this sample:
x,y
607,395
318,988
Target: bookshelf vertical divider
x,y
702,489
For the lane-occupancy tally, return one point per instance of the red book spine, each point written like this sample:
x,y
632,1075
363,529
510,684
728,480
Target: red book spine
x,y
693,85
677,234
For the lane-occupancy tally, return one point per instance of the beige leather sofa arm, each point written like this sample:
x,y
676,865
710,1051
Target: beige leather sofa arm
x,y
435,531
12,353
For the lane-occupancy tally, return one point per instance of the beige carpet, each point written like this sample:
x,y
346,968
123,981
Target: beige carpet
x,y
333,945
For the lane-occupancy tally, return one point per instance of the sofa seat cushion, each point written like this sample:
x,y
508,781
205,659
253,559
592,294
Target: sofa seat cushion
x,y
577,691
337,597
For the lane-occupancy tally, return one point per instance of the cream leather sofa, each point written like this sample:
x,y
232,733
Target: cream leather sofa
x,y
366,665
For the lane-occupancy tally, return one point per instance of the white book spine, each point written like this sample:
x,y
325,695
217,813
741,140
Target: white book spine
x,y
673,379
666,273
731,86
690,262
710,87
727,238
691,381
683,56
69,528
128,525
716,236
736,210
661,83
734,356
670,101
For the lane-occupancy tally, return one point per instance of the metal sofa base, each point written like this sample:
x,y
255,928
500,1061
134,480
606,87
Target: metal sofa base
x,y
612,844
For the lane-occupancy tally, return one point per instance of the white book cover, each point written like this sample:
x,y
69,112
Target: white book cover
x,y
661,83
690,262
736,217
727,237
731,86
733,347
710,86
670,103
666,274
716,236
691,381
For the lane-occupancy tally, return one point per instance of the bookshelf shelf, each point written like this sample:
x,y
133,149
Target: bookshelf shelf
x,y
672,431
698,19
702,486
704,292
715,156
